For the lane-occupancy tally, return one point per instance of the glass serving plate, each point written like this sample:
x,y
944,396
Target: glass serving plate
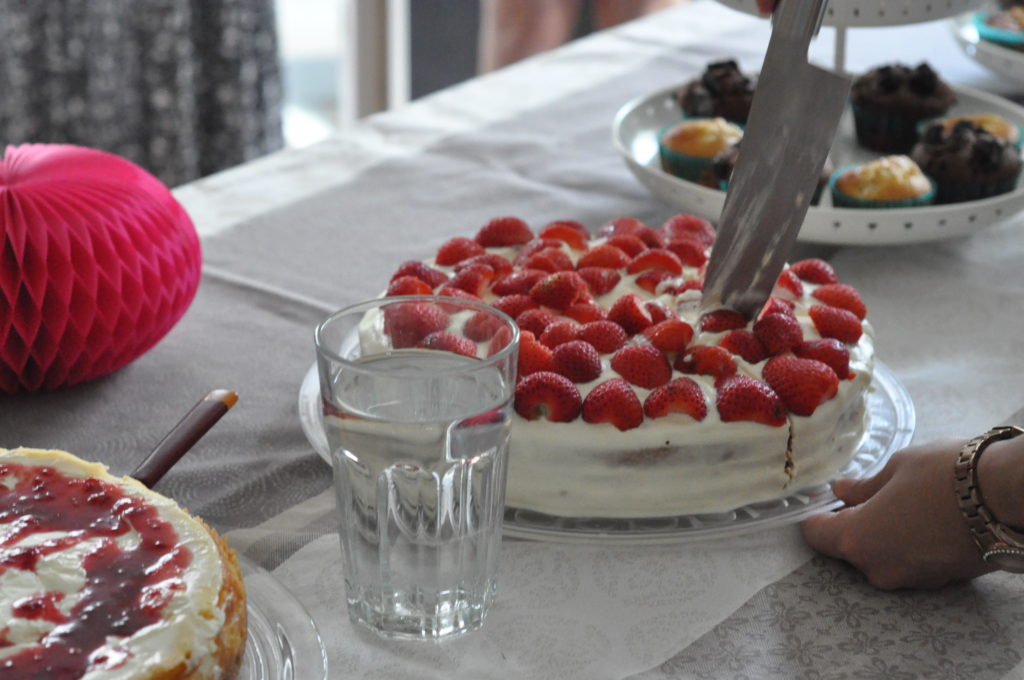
x,y
890,418
283,641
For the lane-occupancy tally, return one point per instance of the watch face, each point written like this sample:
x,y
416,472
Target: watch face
x,y
1007,559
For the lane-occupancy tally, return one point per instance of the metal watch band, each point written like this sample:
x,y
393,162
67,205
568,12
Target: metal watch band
x,y
996,542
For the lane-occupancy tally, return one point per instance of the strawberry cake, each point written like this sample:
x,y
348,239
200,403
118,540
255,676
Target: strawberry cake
x,y
628,401
103,579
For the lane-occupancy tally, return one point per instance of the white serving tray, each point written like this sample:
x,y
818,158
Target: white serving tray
x,y
634,134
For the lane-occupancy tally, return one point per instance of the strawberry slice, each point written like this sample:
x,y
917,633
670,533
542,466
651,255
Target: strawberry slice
x,y
481,327
828,351
504,231
814,270
706,360
577,360
407,323
500,265
519,282
601,280
692,284
658,259
560,332
514,305
745,344
549,396
778,305
803,384
535,320
605,336
722,320
572,224
842,296
533,356
651,279
681,395
500,340
615,402
408,285
670,335
473,279
658,312
690,252
743,398
833,322
456,250
452,291
448,342
585,312
642,365
630,312
550,260
428,275
562,231
634,227
603,255
689,226
778,332
534,247
627,243
559,290
790,282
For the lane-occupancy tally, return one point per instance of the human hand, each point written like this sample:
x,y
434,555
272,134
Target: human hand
x,y
766,6
902,528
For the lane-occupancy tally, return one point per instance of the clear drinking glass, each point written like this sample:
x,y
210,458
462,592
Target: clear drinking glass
x,y
417,394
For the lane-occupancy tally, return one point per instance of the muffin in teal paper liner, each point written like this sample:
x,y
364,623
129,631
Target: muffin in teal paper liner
x,y
889,182
996,125
724,163
1003,28
967,162
889,101
688,148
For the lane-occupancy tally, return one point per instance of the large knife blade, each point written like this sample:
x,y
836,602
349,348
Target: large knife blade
x,y
793,120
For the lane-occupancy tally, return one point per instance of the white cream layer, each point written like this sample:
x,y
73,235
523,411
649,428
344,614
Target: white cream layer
x,y
192,618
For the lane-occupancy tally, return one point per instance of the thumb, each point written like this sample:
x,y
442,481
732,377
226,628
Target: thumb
x,y
856,491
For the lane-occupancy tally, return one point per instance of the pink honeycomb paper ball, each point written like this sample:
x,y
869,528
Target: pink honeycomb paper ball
x,y
98,261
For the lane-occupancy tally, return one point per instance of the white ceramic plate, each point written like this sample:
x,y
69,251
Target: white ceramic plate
x,y
283,641
1002,60
891,422
634,134
877,12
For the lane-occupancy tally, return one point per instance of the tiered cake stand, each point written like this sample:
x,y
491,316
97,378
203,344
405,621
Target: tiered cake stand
x,y
638,123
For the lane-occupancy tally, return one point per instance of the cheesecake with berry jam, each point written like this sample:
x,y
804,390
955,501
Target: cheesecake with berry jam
x,y
103,579
629,402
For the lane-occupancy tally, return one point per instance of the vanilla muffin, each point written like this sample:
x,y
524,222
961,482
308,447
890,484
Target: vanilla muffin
x,y
688,148
889,182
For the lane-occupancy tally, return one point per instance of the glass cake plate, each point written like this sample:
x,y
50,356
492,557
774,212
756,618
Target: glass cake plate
x,y
890,427
283,641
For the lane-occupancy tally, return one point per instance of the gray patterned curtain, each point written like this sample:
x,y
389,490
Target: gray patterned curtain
x,y
182,87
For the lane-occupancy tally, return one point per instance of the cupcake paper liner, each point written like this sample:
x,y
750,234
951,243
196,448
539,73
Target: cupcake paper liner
x,y
842,200
958,192
885,132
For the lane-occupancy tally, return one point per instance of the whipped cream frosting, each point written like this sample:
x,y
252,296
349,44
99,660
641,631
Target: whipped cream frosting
x,y
190,619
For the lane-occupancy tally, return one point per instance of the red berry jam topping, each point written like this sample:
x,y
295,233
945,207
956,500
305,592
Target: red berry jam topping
x,y
125,589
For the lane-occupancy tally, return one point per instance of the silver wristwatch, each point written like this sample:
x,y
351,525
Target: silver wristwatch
x,y
1001,546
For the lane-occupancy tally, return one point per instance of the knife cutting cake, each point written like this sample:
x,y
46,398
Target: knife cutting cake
x,y
104,579
628,402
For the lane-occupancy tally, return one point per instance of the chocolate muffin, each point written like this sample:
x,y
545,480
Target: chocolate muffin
x,y
889,101
724,163
967,162
722,91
